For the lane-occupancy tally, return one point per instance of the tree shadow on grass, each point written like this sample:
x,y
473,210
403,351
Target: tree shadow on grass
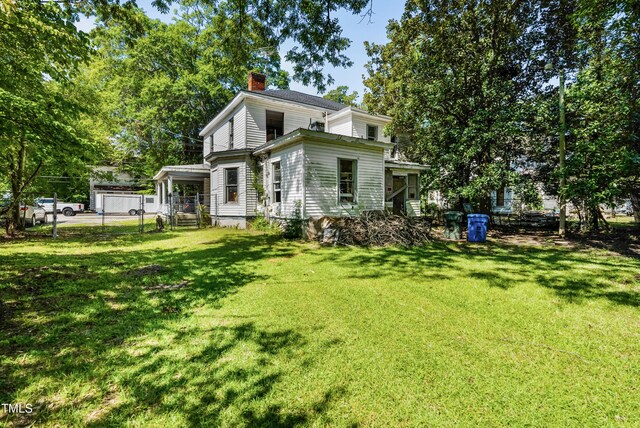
x,y
574,276
86,319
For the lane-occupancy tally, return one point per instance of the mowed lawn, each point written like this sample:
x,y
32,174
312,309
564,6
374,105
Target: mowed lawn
x,y
231,328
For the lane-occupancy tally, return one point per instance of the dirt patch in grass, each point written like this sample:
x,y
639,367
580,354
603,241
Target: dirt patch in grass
x,y
29,277
625,242
167,287
147,270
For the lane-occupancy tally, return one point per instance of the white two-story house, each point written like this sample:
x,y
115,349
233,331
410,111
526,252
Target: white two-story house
x,y
270,151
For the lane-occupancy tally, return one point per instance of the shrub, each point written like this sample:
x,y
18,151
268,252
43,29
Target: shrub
x,y
205,217
293,225
263,224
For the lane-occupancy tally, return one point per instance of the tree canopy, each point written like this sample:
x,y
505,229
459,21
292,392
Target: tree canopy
x,y
474,86
39,104
341,95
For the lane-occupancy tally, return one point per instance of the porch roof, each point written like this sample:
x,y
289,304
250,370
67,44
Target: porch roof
x,y
396,164
189,172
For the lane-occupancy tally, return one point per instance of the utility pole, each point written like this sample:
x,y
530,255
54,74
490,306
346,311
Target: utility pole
x,y
563,180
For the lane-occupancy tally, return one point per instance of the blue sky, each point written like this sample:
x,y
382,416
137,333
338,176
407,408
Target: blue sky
x,y
358,32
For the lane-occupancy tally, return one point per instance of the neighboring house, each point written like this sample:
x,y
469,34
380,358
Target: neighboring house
x,y
108,180
269,151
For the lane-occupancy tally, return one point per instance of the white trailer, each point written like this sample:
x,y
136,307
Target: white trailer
x,y
125,204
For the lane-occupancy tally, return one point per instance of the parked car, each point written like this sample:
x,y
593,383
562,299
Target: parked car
x,y
30,214
33,214
625,209
67,209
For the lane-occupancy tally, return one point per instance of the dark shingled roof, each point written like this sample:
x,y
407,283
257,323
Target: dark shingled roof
x,y
299,97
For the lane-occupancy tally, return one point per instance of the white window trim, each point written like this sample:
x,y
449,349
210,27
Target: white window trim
x,y
225,185
273,191
354,179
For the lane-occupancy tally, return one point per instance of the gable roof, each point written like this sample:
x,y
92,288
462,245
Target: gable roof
x,y
302,98
277,95
301,134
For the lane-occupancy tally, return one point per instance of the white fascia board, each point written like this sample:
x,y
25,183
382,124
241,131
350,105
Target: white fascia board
x,y
361,114
242,95
313,136
225,111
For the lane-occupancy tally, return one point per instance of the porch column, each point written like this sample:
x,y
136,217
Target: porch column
x,y
163,198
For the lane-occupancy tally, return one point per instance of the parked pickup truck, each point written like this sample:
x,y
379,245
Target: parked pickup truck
x,y
65,208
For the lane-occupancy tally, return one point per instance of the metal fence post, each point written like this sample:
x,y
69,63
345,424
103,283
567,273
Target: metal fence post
x,y
55,216
198,219
141,217
103,211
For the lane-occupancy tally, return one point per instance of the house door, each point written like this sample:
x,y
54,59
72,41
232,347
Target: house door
x,y
399,190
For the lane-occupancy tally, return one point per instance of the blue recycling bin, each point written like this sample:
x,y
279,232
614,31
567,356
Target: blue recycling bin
x,y
477,225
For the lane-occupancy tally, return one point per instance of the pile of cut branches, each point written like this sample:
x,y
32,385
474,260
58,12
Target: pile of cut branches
x,y
376,228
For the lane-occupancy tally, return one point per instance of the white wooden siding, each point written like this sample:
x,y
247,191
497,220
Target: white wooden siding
x,y
342,125
214,191
294,117
321,179
217,178
360,129
252,194
292,166
221,132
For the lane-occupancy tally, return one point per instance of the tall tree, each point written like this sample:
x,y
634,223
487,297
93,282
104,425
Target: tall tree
x,y
600,46
341,95
161,85
311,25
42,49
456,76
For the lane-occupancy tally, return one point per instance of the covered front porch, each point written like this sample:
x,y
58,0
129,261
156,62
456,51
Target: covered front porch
x,y
402,187
181,185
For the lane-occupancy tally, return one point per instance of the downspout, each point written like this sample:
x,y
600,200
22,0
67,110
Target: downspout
x,y
304,187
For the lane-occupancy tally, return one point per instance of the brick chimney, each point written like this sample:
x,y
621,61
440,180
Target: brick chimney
x,y
257,81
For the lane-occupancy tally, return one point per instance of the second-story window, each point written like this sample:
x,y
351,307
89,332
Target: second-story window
x,y
231,134
210,142
276,182
372,132
275,124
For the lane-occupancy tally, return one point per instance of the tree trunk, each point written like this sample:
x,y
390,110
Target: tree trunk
x,y
17,167
595,217
635,204
16,178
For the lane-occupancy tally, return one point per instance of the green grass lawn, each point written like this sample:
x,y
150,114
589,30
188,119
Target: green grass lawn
x,y
103,330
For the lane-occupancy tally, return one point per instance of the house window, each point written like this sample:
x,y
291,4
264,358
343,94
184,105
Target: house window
x,y
412,186
347,180
231,134
276,182
231,185
210,143
275,125
500,197
372,132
